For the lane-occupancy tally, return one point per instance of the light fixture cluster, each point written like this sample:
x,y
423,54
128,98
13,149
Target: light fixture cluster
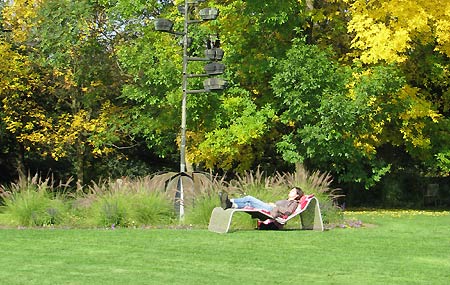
x,y
213,52
213,55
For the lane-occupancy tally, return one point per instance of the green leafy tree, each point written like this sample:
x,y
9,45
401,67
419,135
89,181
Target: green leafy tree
x,y
233,144
320,120
152,62
252,33
337,118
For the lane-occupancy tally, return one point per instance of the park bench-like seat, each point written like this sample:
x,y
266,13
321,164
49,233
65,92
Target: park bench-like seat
x,y
308,212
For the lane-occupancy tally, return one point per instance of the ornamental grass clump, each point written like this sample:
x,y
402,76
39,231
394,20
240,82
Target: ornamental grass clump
x,y
101,204
151,208
32,203
123,203
111,210
260,185
200,212
205,201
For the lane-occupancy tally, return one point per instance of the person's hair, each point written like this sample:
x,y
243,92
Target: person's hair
x,y
299,192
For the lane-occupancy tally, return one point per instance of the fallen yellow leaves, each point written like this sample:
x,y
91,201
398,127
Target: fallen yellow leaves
x,y
399,213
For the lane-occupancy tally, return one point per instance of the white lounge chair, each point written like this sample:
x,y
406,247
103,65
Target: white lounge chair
x,y
308,211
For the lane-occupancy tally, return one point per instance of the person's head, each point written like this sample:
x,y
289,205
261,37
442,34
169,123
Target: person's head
x,y
296,193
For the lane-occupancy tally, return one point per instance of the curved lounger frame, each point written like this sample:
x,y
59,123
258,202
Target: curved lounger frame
x,y
308,211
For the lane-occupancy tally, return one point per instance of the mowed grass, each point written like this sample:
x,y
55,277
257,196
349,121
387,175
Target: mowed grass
x,y
394,248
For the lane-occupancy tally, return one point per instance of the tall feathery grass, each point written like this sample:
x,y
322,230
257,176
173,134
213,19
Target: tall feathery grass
x,y
146,202
123,203
32,202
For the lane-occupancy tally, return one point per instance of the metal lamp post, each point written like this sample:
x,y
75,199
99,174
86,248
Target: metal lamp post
x,y
165,25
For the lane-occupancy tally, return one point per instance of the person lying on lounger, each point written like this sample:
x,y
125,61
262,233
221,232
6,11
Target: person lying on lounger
x,y
277,209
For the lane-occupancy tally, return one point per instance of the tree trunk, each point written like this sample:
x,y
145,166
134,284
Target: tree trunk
x,y
79,164
20,161
310,30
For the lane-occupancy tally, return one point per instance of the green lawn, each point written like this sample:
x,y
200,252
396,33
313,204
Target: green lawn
x,y
396,248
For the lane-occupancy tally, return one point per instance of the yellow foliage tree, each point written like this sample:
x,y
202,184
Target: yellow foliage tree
x,y
19,16
60,109
385,30
19,84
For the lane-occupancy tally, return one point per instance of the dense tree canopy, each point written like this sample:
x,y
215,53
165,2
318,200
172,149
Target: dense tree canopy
x,y
358,88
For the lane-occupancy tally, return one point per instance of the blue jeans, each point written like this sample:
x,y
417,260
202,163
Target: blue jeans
x,y
251,201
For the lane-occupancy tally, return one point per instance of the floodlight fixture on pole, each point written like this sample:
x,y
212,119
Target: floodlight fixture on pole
x,y
165,25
